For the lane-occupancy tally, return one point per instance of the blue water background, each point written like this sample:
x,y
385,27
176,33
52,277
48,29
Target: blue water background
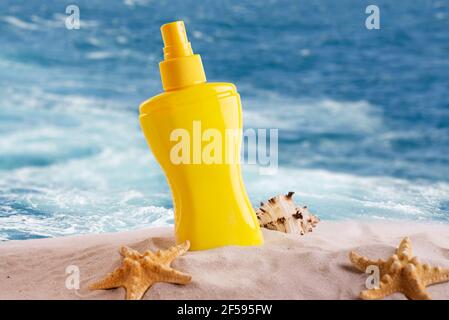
x,y
363,115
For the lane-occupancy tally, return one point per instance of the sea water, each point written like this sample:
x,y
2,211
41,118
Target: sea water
x,y
363,115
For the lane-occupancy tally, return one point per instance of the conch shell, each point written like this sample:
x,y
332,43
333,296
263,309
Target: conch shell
x,y
281,214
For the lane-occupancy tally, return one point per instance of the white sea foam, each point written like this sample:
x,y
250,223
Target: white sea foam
x,y
99,55
132,3
108,54
39,23
340,196
326,115
20,24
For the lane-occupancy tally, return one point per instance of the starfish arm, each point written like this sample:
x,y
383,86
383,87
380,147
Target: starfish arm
x,y
174,276
112,280
151,255
391,266
387,286
361,262
118,277
127,252
135,284
405,249
167,256
137,289
164,273
134,294
433,275
413,287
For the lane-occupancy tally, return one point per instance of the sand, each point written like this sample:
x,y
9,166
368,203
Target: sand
x,y
314,266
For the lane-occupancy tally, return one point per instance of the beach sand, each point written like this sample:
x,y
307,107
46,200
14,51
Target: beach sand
x,y
314,266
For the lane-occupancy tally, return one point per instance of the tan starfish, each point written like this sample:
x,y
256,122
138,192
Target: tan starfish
x,y
140,271
401,273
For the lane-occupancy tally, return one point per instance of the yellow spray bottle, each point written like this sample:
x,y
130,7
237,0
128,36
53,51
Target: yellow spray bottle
x,y
194,129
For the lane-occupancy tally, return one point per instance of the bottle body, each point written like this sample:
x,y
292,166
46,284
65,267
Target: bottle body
x,y
195,134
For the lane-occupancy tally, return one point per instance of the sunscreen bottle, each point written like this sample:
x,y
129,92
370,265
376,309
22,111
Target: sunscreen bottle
x,y
194,129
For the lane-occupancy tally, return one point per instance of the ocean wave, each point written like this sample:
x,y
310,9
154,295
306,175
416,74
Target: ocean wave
x,y
101,55
98,55
115,183
344,196
132,3
325,115
114,192
62,224
38,23
20,24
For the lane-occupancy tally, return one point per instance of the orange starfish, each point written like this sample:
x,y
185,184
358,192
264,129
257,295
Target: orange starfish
x,y
140,271
401,273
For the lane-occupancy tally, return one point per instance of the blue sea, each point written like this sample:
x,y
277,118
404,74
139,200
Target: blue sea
x,y
363,115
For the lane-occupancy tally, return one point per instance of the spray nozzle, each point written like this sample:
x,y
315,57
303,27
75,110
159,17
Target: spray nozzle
x,y
180,68
176,43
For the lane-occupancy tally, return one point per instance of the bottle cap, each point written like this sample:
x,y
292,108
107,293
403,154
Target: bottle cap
x,y
180,68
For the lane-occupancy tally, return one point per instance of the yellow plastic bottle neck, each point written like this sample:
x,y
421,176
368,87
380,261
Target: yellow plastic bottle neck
x,y
180,68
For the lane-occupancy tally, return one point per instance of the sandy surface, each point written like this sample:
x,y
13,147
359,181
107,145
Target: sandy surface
x,y
314,266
